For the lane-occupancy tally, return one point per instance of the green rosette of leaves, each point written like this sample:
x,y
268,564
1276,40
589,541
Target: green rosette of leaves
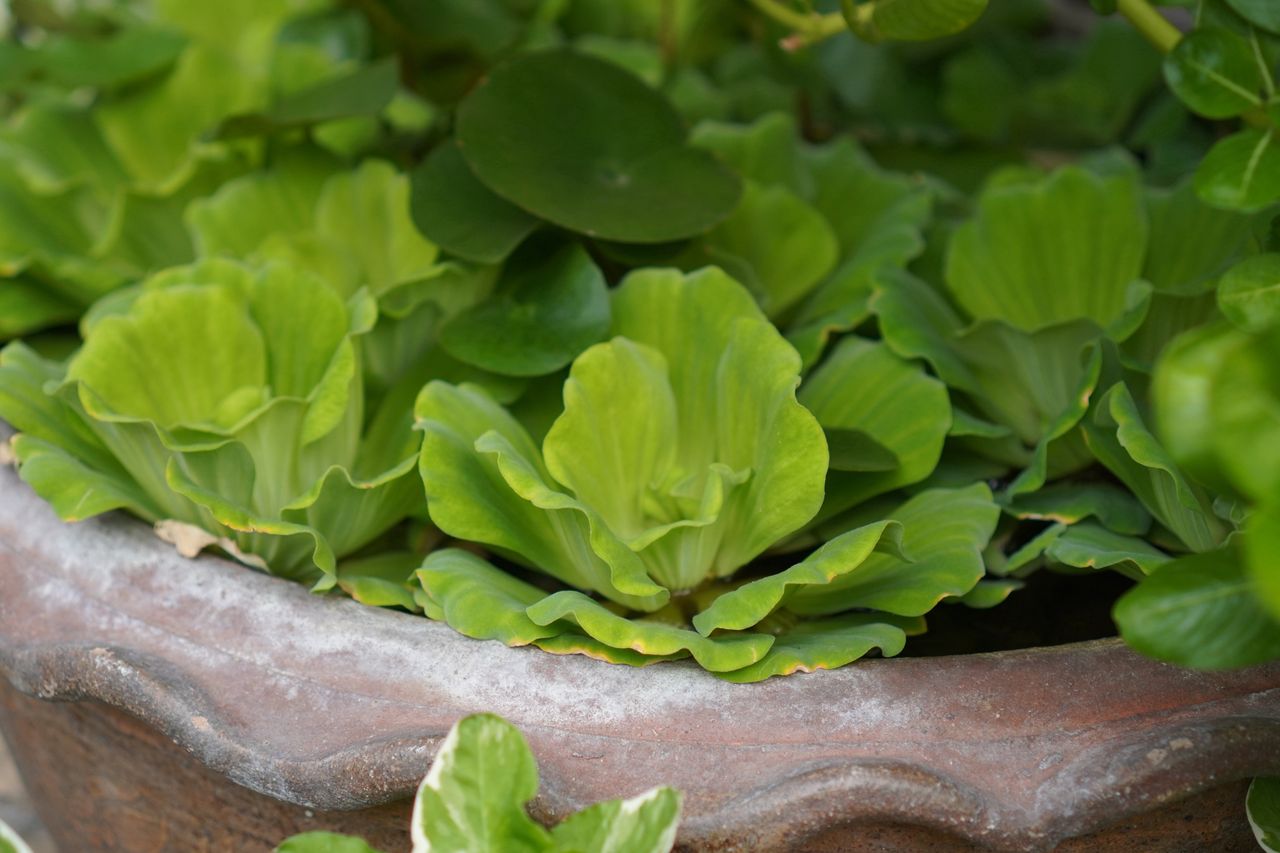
x,y
681,456
226,405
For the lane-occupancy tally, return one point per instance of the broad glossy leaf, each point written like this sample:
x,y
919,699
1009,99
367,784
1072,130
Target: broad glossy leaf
x,y
584,144
1199,611
1263,806
324,842
911,20
461,215
1241,172
987,594
1119,438
943,534
722,653
1062,249
1249,293
547,308
1260,12
475,794
746,606
364,92
1260,554
481,601
825,644
1214,72
129,56
863,386
643,824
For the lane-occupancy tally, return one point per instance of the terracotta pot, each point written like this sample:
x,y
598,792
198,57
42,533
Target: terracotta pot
x,y
160,703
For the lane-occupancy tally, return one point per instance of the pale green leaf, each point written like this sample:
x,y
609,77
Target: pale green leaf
x,y
1263,803
716,654
863,386
474,797
943,534
825,644
324,842
744,607
481,601
1117,435
1062,249
643,824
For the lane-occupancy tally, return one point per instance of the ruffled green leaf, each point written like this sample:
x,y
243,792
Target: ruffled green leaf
x,y
382,580
716,654
575,643
744,607
943,533
486,482
825,644
987,594
1070,503
1092,546
779,246
1118,437
481,601
1190,243
1041,254
863,386
766,151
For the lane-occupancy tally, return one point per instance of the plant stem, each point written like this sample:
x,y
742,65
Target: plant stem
x,y
809,27
1154,27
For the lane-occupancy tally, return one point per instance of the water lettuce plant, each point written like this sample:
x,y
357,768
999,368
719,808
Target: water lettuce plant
x,y
475,795
681,455
224,398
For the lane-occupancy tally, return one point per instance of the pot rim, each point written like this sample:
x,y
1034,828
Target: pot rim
x,y
330,704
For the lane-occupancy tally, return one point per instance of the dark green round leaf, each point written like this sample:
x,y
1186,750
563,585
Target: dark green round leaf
x,y
547,309
1249,293
461,215
1215,73
1264,13
588,146
1241,172
1199,611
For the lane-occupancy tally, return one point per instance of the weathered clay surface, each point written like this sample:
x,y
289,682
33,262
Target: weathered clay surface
x,y
329,705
